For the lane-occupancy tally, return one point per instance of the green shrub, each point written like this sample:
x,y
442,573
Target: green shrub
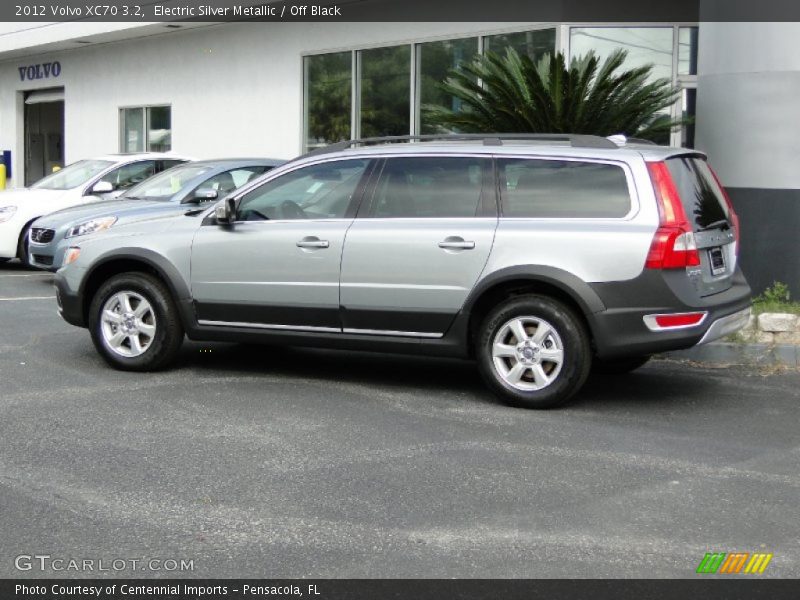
x,y
775,299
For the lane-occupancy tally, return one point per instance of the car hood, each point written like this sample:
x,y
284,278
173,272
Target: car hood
x,y
29,197
124,210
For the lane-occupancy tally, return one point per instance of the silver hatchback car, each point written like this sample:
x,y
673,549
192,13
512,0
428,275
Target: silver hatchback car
x,y
540,257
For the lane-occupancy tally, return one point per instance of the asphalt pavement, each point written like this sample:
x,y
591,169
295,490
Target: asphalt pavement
x,y
268,462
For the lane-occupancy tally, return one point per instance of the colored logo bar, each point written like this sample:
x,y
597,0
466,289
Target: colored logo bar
x,y
734,562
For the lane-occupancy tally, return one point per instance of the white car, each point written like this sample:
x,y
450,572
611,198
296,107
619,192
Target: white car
x,y
81,182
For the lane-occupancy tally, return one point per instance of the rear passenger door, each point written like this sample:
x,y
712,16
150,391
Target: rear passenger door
x,y
418,245
575,215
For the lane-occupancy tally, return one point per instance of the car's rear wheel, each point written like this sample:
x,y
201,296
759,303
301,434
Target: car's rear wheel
x,y
619,366
134,323
533,352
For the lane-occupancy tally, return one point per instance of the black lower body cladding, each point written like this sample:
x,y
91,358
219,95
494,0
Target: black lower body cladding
x,y
620,330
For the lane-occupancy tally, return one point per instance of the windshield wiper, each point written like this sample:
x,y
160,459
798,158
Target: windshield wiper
x,y
717,225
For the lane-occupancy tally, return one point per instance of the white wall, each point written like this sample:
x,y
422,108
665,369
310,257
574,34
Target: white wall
x,y
235,89
748,118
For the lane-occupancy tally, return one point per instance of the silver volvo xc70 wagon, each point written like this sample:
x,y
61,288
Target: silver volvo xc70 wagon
x,y
540,257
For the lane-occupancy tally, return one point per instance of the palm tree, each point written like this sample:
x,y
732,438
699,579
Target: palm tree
x,y
512,94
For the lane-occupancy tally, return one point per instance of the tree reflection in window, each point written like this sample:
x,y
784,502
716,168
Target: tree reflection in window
x,y
328,82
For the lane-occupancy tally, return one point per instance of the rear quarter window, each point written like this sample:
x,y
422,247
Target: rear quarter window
x,y
537,188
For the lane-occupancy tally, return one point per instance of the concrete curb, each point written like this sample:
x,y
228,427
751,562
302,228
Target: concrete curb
x,y
786,355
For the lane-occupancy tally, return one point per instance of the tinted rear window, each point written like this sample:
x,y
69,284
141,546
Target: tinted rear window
x,y
563,189
700,195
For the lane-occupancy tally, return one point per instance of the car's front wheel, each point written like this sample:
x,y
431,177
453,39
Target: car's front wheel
x,y
134,323
533,352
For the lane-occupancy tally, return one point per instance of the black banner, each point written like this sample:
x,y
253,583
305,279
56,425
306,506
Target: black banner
x,y
672,11
734,588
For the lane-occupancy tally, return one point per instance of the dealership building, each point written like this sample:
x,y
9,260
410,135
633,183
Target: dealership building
x,y
73,90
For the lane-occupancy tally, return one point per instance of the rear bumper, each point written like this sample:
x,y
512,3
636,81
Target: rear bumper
x,y
620,330
726,326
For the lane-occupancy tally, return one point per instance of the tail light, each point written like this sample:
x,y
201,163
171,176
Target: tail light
x,y
674,321
673,245
732,216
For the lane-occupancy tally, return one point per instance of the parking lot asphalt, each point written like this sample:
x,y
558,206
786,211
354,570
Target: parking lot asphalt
x,y
260,462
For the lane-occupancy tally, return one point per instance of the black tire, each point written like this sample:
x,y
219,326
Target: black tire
x,y
159,349
619,366
570,333
4,260
22,246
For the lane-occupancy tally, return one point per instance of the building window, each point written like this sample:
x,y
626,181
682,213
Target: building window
x,y
645,46
671,50
380,91
435,61
385,88
534,44
687,50
146,129
328,98
689,111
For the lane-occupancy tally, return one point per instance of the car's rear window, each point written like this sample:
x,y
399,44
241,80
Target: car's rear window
x,y
700,194
537,188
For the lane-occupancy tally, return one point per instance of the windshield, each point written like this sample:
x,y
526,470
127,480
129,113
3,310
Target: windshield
x,y
72,175
165,185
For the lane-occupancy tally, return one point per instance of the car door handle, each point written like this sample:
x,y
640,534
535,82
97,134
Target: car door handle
x,y
313,242
456,243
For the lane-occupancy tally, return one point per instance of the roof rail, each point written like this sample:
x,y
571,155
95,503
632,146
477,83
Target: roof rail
x,y
488,139
634,140
621,139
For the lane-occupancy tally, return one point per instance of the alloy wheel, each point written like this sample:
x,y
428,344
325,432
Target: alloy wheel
x,y
528,353
128,324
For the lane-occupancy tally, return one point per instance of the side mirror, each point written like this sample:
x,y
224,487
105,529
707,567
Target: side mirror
x,y
205,194
225,211
103,187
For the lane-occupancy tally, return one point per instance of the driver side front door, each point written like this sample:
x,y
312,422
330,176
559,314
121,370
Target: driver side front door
x,y
277,266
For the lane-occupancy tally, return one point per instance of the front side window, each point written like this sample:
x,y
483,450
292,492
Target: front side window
x,y
562,189
127,176
146,129
227,181
322,191
72,175
166,184
429,187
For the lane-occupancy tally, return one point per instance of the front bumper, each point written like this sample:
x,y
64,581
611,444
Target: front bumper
x,y
70,303
46,256
9,238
